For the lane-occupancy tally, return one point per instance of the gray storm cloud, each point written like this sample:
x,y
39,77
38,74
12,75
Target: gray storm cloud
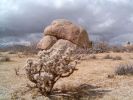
x,y
108,19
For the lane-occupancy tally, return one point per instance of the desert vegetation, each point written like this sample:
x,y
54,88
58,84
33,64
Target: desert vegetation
x,y
124,69
54,73
26,50
4,59
100,72
49,69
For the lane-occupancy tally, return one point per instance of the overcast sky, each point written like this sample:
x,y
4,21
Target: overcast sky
x,y
22,21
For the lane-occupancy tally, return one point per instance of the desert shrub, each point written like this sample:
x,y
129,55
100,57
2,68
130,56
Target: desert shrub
x,y
26,50
124,69
95,47
129,48
92,57
107,57
92,50
101,47
118,49
117,58
4,58
12,52
49,68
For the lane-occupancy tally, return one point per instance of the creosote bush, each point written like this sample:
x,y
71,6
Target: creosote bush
x,y
49,68
124,69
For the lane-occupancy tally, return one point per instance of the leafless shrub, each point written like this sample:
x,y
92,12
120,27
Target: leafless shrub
x,y
124,69
117,58
26,50
97,47
118,49
49,69
107,57
4,59
129,48
101,46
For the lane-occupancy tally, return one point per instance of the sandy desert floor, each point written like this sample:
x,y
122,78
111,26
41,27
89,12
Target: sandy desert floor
x,y
91,79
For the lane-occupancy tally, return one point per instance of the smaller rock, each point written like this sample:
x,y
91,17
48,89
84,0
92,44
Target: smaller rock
x,y
46,42
62,45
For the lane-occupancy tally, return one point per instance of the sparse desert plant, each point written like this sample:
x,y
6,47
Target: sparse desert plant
x,y
93,57
50,67
117,58
124,69
107,57
118,49
4,59
129,48
101,47
12,52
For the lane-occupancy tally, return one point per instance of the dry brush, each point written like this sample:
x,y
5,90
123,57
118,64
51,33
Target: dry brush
x,y
49,68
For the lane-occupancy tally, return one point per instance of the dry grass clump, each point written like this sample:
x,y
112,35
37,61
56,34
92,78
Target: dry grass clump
x,y
12,52
118,49
4,59
124,69
107,57
117,58
129,48
49,68
113,58
92,57
67,87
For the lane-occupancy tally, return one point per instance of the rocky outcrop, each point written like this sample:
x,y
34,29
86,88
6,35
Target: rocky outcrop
x,y
66,30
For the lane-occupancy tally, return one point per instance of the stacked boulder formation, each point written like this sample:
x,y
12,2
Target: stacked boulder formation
x,y
63,33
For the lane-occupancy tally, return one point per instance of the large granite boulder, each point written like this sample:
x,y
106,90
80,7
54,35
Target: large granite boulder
x,y
64,29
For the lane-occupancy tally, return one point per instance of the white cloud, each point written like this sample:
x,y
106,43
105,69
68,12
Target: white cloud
x,y
121,39
107,23
100,17
23,40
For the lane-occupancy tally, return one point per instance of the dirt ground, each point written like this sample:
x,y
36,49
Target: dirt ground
x,y
91,80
